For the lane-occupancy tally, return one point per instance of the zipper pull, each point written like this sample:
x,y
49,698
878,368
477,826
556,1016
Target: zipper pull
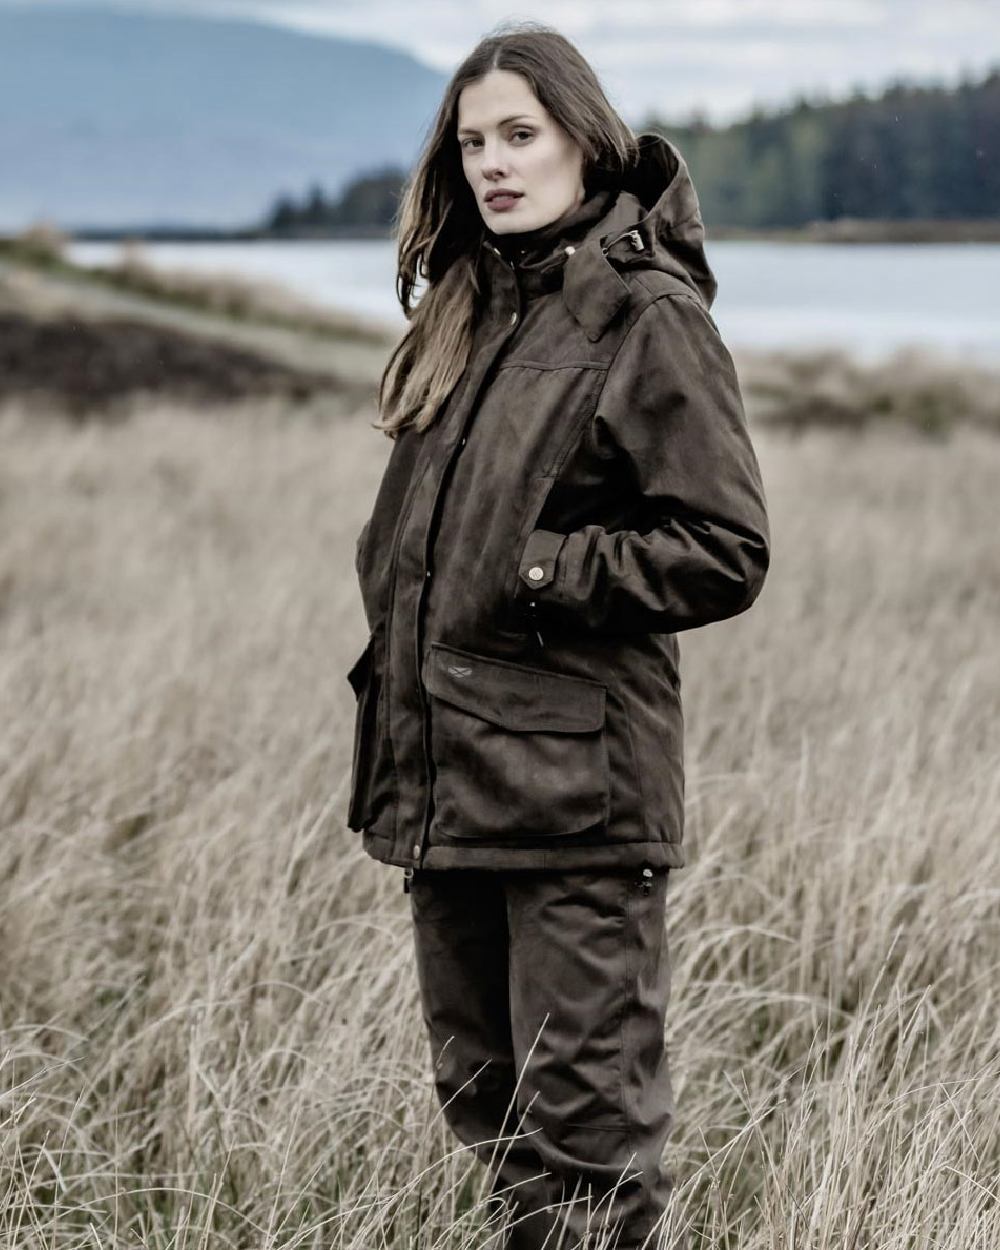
x,y
633,236
407,878
647,880
531,605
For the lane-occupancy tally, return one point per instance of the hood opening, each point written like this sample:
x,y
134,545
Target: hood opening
x,y
661,185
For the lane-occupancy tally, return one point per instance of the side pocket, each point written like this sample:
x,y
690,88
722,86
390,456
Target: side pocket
x,y
366,684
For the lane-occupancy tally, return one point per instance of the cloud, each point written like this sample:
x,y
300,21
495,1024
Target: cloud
x,y
671,56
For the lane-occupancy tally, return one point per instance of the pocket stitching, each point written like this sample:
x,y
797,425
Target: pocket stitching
x,y
587,717
524,668
458,797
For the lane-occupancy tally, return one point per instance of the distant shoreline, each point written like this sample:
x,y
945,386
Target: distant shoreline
x,y
842,230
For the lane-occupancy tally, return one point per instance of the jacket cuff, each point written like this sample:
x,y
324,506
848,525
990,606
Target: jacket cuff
x,y
537,568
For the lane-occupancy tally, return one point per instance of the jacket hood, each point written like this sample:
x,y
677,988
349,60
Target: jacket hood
x,y
650,220
658,197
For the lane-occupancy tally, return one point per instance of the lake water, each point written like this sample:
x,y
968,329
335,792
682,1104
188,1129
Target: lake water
x,y
868,298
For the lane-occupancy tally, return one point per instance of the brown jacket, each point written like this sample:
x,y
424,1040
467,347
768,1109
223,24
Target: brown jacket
x,y
588,491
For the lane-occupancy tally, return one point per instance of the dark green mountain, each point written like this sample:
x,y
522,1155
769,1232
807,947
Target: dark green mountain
x,y
910,152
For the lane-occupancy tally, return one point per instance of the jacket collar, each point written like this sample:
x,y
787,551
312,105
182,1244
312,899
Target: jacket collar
x,y
652,221
532,250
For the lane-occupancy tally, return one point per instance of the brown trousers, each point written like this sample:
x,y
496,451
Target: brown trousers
x,y
544,994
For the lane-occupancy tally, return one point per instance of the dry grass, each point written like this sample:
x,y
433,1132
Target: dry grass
x,y
222,293
235,295
927,392
210,1030
106,368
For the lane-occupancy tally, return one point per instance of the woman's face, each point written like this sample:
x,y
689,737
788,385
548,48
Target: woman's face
x,y
508,140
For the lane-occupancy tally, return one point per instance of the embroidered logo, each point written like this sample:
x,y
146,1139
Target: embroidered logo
x,y
457,670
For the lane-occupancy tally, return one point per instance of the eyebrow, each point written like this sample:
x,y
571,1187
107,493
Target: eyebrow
x,y
470,130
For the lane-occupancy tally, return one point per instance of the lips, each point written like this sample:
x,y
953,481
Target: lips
x,y
503,197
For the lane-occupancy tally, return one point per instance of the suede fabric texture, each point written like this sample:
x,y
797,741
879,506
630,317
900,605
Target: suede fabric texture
x,y
588,491
544,995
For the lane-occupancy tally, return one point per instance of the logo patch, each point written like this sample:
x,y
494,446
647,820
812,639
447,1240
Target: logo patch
x,y
457,670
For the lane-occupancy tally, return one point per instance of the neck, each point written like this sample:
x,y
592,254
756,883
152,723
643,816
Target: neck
x,y
518,245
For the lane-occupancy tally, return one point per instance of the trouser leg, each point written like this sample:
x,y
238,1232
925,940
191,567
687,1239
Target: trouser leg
x,y
589,984
461,944
556,984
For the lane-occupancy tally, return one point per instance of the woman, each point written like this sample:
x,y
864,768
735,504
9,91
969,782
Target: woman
x,y
571,485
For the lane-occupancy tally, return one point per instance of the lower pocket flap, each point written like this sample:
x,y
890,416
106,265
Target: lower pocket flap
x,y
512,695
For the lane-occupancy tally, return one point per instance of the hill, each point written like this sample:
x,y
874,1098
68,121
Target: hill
x,y
114,118
910,153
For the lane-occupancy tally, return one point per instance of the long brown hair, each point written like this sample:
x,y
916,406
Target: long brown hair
x,y
440,231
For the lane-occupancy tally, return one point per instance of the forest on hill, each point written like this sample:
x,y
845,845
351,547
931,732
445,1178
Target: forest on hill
x,y
910,153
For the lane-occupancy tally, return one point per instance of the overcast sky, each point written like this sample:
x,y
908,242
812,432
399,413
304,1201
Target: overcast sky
x,y
672,55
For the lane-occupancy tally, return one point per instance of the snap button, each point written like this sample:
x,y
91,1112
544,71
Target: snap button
x,y
416,850
428,573
569,250
536,572
513,318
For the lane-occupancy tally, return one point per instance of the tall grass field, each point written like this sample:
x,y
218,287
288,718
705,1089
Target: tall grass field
x,y
210,1034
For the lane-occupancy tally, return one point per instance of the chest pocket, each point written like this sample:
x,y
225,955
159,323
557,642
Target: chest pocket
x,y
518,752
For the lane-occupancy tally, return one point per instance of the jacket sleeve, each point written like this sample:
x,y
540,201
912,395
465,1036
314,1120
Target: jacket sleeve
x,y
671,407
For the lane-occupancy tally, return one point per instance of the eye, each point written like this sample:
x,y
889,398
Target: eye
x,y
528,134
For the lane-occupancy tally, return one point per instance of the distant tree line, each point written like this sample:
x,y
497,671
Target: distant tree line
x,y
367,203
912,152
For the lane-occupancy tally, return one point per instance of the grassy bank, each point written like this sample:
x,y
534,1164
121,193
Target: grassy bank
x,y
76,344
209,1029
222,294
929,395
95,346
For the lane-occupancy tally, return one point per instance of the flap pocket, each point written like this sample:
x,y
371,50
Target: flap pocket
x,y
512,696
372,774
357,674
518,752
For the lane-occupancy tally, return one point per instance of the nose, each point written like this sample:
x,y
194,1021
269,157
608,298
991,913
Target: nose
x,y
493,162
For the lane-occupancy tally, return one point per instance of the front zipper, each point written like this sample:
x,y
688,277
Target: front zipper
x,y
428,808
392,577
534,622
508,263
